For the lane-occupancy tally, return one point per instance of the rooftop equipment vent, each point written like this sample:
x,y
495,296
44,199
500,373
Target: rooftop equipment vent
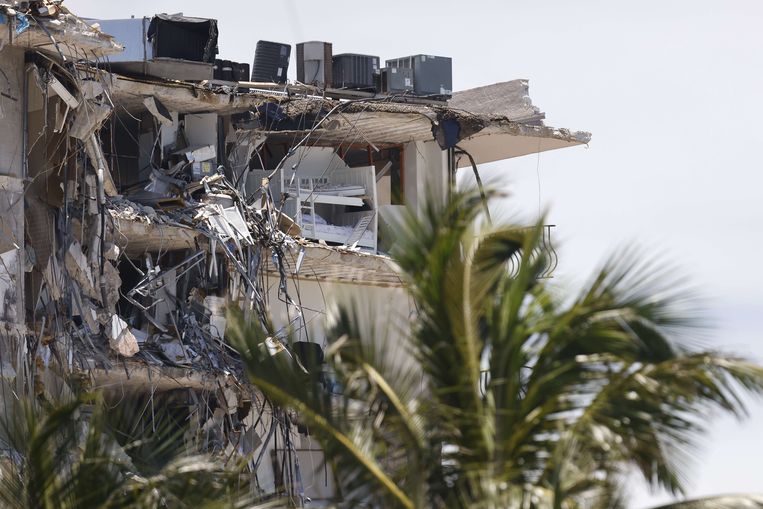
x,y
314,63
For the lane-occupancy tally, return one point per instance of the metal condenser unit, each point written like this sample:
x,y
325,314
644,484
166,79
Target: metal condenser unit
x,y
355,71
271,62
432,75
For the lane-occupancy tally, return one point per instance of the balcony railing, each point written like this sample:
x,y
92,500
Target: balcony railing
x,y
544,251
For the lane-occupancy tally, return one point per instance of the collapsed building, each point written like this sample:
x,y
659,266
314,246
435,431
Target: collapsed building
x,y
139,200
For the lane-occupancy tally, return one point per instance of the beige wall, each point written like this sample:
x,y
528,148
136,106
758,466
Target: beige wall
x,y
379,306
380,309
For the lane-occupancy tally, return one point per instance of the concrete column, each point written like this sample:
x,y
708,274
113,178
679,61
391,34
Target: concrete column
x,y
426,173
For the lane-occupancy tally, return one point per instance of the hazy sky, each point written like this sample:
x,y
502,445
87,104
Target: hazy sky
x,y
672,92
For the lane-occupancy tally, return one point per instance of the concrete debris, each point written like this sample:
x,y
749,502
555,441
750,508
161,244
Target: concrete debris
x,y
88,119
111,251
9,263
201,154
79,270
159,111
134,212
55,29
121,339
112,283
53,277
7,371
91,89
230,396
175,352
48,9
90,316
61,91
95,153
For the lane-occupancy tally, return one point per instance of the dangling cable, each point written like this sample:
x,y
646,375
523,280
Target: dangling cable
x,y
479,183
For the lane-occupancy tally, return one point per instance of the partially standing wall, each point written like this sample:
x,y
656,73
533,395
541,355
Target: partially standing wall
x,y
12,247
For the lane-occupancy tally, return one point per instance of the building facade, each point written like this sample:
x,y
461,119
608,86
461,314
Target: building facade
x,y
139,200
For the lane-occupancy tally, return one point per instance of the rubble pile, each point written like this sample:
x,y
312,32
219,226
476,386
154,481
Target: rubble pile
x,y
134,278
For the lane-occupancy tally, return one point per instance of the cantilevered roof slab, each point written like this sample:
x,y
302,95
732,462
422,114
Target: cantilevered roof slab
x,y
492,123
513,124
505,140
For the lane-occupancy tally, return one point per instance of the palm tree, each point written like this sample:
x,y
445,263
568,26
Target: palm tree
x,y
69,456
502,393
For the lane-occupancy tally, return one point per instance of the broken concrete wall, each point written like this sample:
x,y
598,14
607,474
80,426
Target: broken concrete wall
x,y
69,180
12,160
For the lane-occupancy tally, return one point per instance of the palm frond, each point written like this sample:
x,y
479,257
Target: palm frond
x,y
66,456
508,396
343,426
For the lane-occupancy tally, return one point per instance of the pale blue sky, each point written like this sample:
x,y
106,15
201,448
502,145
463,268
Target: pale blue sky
x,y
672,92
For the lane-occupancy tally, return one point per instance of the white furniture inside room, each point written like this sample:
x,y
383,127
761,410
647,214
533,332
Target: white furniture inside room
x,y
329,200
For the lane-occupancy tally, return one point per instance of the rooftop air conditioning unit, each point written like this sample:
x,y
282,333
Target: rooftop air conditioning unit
x,y
225,70
396,80
355,71
432,76
169,46
314,63
271,62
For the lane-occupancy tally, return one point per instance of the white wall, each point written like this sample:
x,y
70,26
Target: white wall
x,y
426,172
